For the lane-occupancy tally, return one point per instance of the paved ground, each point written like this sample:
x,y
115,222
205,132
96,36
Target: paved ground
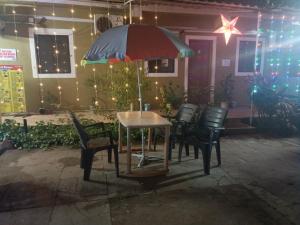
x,y
258,184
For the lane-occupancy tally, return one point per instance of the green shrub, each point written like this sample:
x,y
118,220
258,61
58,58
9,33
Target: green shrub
x,y
44,135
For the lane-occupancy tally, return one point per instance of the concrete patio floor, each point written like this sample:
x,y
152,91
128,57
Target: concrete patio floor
x,y
258,184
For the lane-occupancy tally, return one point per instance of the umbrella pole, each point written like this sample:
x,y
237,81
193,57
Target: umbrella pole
x,y
142,155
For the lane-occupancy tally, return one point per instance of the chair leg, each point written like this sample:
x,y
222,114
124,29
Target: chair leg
x,y
180,151
88,166
187,150
116,155
218,150
155,142
109,155
170,147
173,142
196,152
82,159
206,152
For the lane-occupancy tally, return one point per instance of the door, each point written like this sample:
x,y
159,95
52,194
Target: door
x,y
199,71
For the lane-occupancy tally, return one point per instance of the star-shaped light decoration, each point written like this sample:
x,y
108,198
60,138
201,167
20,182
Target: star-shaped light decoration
x,y
228,28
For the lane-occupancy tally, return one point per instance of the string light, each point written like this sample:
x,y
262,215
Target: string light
x,y
41,84
95,87
72,15
124,12
35,18
156,90
77,91
108,7
258,46
141,12
289,52
155,14
90,13
56,54
15,24
272,41
113,98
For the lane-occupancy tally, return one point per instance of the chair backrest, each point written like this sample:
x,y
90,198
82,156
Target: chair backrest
x,y
83,136
213,117
186,112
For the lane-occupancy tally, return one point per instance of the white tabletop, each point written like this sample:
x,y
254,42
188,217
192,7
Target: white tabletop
x,y
146,120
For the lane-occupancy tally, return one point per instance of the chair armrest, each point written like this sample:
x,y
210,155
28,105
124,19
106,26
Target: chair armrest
x,y
216,128
101,125
169,117
101,134
106,133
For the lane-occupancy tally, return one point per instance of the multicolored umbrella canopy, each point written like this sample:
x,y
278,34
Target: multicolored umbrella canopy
x,y
136,42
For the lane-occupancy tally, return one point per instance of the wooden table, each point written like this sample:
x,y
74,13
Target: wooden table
x,y
135,119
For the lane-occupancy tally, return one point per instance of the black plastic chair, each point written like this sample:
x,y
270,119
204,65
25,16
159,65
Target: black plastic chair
x,y
185,117
205,134
92,143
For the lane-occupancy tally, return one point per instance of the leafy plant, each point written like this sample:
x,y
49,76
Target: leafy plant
x,y
119,86
224,92
171,97
276,112
44,135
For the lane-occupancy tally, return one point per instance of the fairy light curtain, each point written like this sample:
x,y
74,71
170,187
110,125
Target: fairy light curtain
x,y
283,50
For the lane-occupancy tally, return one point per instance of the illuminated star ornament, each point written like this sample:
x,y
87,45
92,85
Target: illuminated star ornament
x,y
228,28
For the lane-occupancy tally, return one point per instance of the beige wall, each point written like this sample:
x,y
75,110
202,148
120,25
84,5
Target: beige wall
x,y
83,41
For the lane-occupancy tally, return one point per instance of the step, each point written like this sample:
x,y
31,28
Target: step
x,y
235,126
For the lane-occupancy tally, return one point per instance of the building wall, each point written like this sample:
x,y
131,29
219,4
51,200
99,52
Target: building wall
x,y
204,25
82,40
200,24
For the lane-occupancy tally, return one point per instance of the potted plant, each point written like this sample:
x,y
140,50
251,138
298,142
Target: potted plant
x,y
224,93
171,98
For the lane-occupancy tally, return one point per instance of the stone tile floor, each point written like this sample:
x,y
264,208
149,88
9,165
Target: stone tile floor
x,y
258,184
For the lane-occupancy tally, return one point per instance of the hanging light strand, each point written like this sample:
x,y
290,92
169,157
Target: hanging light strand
x,y
124,12
72,15
272,43
77,90
95,87
90,13
35,16
257,63
155,14
41,84
108,8
279,47
15,24
75,48
113,98
56,55
141,12
289,51
156,90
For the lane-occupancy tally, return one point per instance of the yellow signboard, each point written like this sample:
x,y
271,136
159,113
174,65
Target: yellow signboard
x,y
12,94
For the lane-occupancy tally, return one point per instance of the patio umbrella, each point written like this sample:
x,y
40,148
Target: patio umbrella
x,y
135,42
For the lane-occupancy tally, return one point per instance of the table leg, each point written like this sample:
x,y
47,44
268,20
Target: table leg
x,y
166,147
120,137
128,151
149,139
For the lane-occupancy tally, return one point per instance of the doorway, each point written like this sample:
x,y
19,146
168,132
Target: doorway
x,y
200,70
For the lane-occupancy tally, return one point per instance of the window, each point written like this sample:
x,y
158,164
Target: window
x,y
52,53
162,68
245,56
